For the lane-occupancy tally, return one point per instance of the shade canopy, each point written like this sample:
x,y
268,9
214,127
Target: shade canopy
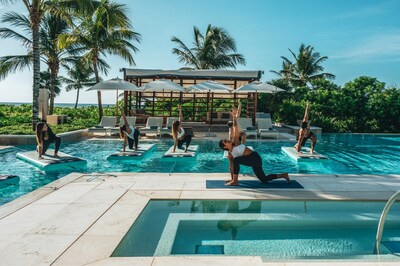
x,y
259,87
163,85
113,85
210,86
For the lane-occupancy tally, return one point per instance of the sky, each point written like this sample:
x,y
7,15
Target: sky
x,y
359,37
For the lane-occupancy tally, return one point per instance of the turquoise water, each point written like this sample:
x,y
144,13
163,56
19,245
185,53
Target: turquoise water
x,y
348,153
275,230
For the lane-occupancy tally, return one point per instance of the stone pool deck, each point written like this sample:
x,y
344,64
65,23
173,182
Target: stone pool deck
x,y
80,218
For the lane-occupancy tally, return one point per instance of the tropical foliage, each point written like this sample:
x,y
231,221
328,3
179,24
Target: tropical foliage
x,y
305,68
106,30
361,105
215,49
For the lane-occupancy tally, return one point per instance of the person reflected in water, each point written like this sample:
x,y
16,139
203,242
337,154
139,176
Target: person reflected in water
x,y
240,154
233,225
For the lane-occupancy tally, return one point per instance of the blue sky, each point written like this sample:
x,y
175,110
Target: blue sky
x,y
360,37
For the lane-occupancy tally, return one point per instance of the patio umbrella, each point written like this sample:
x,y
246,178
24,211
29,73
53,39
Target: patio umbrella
x,y
163,85
114,85
259,87
210,87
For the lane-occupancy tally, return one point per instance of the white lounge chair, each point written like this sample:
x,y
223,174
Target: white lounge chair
x,y
168,126
131,121
246,123
153,125
107,126
265,128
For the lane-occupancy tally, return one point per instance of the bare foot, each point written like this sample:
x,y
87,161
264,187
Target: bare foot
x,y
231,183
186,150
228,180
40,158
311,152
56,156
286,176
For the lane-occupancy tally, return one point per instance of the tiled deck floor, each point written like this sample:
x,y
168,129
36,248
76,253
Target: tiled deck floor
x,y
80,219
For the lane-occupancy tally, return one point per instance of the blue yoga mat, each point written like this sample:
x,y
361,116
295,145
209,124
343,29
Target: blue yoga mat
x,y
254,184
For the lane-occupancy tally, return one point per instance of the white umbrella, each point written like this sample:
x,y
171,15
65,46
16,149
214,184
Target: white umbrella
x,y
210,86
163,85
115,84
259,87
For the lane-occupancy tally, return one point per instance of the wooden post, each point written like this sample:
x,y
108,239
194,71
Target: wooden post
x,y
154,96
194,107
170,105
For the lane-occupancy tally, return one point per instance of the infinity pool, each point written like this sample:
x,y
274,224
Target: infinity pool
x,y
348,153
275,230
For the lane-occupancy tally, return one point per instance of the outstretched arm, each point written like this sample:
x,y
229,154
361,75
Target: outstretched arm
x,y
305,119
125,119
180,113
44,114
235,130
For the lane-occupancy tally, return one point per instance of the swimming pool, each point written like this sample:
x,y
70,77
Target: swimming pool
x,y
348,153
275,230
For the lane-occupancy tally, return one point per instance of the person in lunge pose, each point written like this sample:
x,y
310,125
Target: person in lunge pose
x,y
305,133
178,133
243,155
129,133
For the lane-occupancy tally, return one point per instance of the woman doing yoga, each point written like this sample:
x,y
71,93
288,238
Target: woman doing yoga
x,y
243,155
129,133
178,133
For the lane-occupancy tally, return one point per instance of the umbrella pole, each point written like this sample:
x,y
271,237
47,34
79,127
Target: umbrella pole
x,y
209,134
116,110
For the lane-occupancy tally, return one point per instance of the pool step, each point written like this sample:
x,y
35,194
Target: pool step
x,y
210,249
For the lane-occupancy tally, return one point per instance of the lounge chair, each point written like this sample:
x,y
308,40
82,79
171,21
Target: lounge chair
x,y
131,121
246,123
107,126
153,125
168,126
265,128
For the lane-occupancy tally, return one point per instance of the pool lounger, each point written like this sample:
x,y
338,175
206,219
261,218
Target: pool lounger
x,y
226,152
305,155
191,153
140,153
7,180
49,162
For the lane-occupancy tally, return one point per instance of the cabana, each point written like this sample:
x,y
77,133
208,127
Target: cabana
x,y
186,78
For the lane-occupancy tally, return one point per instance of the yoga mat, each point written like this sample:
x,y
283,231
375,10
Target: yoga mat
x,y
254,184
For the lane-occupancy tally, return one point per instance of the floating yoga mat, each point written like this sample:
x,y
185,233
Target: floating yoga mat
x,y
49,162
191,153
140,153
305,155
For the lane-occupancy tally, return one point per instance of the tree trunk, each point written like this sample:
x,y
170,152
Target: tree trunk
x,y
96,73
53,78
77,98
36,67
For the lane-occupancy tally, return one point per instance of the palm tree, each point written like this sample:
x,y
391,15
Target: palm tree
x,y
79,77
107,30
51,27
37,9
210,51
305,68
46,82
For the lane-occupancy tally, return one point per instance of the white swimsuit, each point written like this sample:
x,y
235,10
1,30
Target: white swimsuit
x,y
130,135
181,134
238,150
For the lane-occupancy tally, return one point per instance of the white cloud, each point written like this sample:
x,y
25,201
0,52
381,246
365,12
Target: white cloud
x,y
381,46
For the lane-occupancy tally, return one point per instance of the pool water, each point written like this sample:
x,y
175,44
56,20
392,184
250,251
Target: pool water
x,y
275,230
348,153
